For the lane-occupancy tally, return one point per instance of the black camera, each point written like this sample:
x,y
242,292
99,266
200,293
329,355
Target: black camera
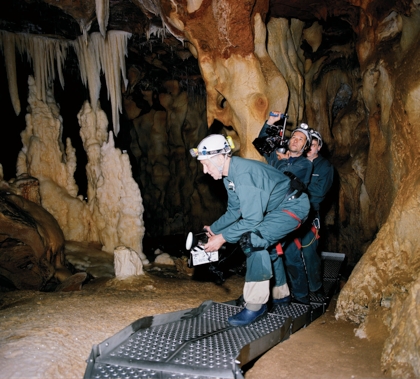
x,y
275,140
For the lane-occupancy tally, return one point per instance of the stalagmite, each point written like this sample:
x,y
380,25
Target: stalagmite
x,y
43,156
114,197
127,263
120,206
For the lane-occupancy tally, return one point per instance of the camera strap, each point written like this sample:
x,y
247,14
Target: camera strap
x,y
295,185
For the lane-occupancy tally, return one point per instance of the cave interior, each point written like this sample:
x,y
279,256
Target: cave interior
x,y
348,69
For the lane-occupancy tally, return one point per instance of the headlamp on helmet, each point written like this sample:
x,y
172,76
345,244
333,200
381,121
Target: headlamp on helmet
x,y
304,128
211,146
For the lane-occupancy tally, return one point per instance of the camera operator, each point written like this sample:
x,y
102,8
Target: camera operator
x,y
308,278
262,209
292,161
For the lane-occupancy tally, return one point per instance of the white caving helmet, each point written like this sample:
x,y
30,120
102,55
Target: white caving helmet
x,y
211,146
304,128
317,136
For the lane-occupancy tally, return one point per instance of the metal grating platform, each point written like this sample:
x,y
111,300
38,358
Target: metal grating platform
x,y
299,313
199,343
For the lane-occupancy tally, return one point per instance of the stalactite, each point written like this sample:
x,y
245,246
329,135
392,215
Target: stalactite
x,y
89,68
157,31
48,55
84,29
43,53
106,55
7,44
102,14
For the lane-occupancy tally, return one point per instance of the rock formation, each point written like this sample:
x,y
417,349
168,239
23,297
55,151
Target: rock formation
x,y
127,263
31,245
112,213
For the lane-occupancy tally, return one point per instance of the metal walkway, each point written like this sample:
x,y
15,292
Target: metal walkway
x,y
199,343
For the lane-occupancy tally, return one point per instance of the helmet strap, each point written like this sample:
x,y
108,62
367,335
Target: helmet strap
x,y
219,168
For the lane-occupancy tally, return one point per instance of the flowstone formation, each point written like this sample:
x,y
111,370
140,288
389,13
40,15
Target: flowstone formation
x,y
112,213
387,275
242,81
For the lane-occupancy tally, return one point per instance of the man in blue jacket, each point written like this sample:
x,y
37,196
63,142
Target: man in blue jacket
x,y
262,208
320,184
303,246
293,161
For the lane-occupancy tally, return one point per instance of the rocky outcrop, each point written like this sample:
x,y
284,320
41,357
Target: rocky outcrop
x,y
31,244
387,275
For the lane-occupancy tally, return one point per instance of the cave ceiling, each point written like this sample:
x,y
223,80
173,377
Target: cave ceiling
x,y
165,55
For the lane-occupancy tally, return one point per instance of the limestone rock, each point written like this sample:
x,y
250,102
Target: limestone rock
x,y
164,259
401,354
31,244
181,265
127,263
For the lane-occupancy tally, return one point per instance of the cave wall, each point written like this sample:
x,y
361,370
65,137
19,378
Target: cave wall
x,y
386,277
178,195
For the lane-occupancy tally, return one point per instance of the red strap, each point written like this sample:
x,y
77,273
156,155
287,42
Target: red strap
x,y
279,249
315,232
298,243
291,214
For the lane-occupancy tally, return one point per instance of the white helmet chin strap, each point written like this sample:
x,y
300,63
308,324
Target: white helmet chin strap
x,y
219,168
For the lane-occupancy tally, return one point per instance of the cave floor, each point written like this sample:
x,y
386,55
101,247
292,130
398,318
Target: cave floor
x,y
51,334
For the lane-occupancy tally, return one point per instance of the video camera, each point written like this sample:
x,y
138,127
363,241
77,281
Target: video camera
x,y
216,263
198,255
276,139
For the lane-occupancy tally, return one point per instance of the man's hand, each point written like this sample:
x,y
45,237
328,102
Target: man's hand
x,y
272,119
209,233
281,156
214,243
